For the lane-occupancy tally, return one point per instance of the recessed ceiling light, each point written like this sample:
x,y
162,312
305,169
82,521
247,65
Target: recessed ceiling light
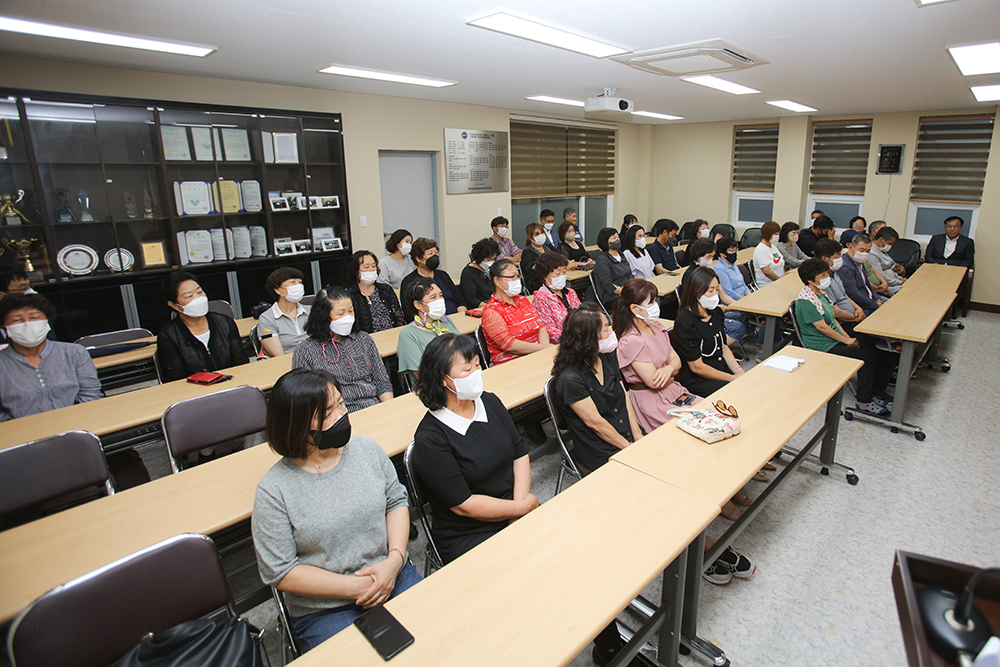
x,y
791,106
977,59
537,32
653,114
720,84
341,70
924,3
555,100
79,35
986,93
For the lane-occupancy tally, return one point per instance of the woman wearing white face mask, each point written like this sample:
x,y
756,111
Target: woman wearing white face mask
x,y
375,304
510,323
282,326
429,323
475,283
634,249
702,231
195,340
536,246
467,451
553,300
335,345
788,246
396,264
768,264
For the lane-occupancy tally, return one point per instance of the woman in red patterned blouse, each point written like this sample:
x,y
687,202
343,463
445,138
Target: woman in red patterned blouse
x,y
553,300
510,323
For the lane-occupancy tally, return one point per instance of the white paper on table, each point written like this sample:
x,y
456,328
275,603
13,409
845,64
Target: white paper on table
x,y
258,241
784,363
199,246
251,196
242,246
196,197
236,144
286,147
175,143
182,248
268,143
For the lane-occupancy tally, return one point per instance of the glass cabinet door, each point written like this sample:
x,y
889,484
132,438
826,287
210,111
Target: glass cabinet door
x,y
22,234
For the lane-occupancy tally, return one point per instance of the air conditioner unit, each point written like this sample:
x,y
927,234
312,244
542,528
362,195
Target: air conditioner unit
x,y
707,57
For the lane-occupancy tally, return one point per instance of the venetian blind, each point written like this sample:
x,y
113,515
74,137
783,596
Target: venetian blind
x,y
755,157
560,161
840,157
950,163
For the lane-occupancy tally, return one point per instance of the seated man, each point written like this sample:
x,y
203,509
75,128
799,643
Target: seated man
x,y
951,248
822,227
847,312
38,375
501,231
882,264
662,249
853,275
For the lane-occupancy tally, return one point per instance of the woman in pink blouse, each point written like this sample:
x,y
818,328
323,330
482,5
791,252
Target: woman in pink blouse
x,y
553,300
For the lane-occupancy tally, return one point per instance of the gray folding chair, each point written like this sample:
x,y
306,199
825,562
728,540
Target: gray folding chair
x,y
751,237
308,299
94,620
407,380
484,350
34,472
569,462
432,557
255,339
113,337
593,288
221,306
197,423
289,647
723,228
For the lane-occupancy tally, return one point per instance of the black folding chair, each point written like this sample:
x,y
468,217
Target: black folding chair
x,y
723,228
432,557
484,351
570,464
751,237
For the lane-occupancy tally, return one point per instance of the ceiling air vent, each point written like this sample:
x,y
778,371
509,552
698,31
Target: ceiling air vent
x,y
708,57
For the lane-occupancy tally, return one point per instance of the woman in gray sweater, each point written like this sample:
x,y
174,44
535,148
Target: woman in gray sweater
x,y
330,519
788,246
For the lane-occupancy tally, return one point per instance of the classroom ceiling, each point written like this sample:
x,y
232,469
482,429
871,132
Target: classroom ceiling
x,y
842,57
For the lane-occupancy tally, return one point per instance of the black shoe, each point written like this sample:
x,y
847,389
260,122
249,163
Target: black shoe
x,y
535,432
602,658
413,531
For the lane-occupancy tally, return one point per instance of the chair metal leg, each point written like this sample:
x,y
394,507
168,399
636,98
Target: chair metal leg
x,y
559,478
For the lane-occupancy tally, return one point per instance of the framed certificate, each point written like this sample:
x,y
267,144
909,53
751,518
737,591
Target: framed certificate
x,y
199,246
153,254
236,144
175,143
251,196
258,241
242,247
286,147
203,143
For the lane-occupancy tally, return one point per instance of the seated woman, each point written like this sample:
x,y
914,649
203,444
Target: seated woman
x,y
855,226
553,300
572,248
732,288
821,331
467,452
701,231
396,264
475,283
330,519
429,323
282,326
534,247
700,336
768,264
634,249
425,255
510,323
788,246
196,340
611,271
336,346
375,304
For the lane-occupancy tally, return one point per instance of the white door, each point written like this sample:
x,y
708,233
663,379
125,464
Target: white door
x,y
409,192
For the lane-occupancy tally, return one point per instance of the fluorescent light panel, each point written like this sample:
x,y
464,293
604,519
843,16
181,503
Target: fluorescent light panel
x,y
80,35
342,70
924,3
791,106
720,84
536,32
555,100
653,114
986,93
977,59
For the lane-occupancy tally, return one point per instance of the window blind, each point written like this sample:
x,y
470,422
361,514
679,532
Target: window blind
x,y
840,157
557,161
755,157
951,158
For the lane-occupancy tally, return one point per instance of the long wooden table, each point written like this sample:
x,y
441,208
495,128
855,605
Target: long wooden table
x,y
204,499
936,277
771,301
539,591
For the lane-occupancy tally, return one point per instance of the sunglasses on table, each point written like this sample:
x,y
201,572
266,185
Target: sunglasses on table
x,y
727,410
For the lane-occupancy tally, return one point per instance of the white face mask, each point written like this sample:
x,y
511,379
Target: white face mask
x,y
368,277
501,232
470,387
793,238
640,243
436,309
860,257
708,302
486,264
651,314
513,287
824,283
703,233
30,291
558,283
774,239
295,293
343,326
609,344
539,239
405,248
548,226
196,307
837,263
705,261
28,334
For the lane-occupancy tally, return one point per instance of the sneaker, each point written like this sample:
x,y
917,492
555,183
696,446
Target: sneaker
x,y
737,564
872,408
718,573
881,398
759,356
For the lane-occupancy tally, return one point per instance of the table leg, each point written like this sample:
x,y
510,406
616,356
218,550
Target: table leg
x,y
692,586
669,640
903,380
828,451
770,326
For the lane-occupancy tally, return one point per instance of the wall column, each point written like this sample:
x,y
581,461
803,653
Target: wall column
x,y
791,176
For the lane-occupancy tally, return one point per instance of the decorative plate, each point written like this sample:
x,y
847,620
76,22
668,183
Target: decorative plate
x,y
112,261
77,259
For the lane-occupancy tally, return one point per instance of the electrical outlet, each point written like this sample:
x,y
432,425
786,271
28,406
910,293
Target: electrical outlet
x,y
499,210
364,221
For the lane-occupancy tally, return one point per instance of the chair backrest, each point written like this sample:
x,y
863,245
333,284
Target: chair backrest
x,y
308,299
686,232
795,322
255,339
594,253
484,351
112,337
597,298
723,228
221,306
907,253
682,257
677,293
95,619
751,237
749,277
419,500
51,467
205,421
407,380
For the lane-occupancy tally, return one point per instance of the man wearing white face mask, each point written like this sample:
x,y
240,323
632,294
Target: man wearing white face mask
x,y
375,304
429,323
510,323
195,340
282,326
548,219
501,235
852,273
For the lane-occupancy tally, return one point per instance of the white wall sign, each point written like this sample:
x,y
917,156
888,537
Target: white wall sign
x,y
476,161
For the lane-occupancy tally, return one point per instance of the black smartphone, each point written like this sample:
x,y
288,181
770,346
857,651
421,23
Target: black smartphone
x,y
383,631
683,399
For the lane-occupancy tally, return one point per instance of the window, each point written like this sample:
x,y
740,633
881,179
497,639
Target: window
x,y
840,157
951,158
593,213
752,208
552,161
925,219
755,157
839,208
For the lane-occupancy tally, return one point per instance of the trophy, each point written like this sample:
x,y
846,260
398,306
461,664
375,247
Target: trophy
x,y
84,200
147,203
130,206
7,211
64,213
20,247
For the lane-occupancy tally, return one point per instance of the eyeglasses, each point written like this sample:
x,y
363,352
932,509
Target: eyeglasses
x,y
516,276
727,410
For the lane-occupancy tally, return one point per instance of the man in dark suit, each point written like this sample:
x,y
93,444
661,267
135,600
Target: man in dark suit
x,y
951,248
547,218
852,273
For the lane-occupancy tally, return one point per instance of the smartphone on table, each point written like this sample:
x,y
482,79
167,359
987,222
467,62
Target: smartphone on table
x,y
383,631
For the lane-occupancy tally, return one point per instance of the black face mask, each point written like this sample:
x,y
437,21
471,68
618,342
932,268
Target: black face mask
x,y
672,241
615,245
433,263
334,437
731,257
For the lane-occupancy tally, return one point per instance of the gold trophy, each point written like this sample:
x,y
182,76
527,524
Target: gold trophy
x,y
8,212
21,247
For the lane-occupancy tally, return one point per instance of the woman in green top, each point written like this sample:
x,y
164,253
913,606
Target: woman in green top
x,y
429,323
819,330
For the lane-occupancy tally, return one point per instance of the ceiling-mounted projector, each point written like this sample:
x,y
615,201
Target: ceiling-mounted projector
x,y
608,105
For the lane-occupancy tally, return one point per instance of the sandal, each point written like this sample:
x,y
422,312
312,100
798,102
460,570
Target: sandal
x,y
769,466
733,514
742,499
760,477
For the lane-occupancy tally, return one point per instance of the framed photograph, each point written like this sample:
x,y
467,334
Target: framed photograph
x,y
279,204
314,202
331,244
302,245
282,248
329,202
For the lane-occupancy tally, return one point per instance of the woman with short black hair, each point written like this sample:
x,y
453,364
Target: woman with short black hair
x,y
427,258
330,519
554,299
634,249
396,264
375,304
612,271
572,248
788,246
429,322
534,246
475,281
